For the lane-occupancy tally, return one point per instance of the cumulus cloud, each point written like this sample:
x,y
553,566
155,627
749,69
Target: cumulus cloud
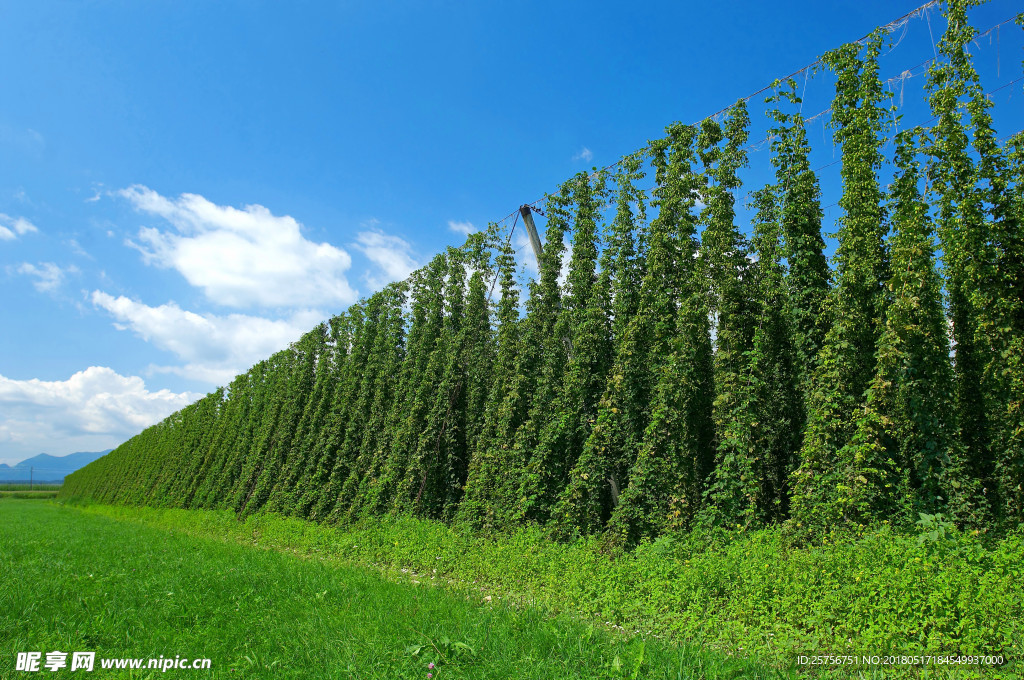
x,y
214,348
241,257
391,254
94,409
13,227
465,228
47,275
584,154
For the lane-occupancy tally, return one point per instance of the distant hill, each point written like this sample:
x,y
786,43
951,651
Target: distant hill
x,y
46,468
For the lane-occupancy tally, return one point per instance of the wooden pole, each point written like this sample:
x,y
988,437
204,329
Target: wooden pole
x,y
531,230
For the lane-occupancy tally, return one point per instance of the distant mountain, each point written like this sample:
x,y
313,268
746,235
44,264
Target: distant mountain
x,y
46,468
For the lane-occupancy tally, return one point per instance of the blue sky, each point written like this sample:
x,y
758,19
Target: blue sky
x,y
186,187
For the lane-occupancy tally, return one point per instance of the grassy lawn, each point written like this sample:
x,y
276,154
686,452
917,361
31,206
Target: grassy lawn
x,y
30,487
79,581
28,494
882,594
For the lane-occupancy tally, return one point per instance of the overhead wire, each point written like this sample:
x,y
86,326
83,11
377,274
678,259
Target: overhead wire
x,y
758,145
912,72
808,69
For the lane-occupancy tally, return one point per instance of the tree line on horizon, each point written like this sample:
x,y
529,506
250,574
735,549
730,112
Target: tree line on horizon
x,y
668,372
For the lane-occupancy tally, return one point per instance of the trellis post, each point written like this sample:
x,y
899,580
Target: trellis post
x,y
531,230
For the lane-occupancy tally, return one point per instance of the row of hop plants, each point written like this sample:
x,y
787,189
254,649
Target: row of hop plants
x,y
682,373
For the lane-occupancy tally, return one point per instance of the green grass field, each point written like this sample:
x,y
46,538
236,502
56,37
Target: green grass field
x,y
28,494
886,593
72,580
30,487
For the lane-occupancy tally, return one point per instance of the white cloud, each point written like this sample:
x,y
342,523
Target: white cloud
x,y
525,256
77,249
699,199
94,409
563,275
35,138
465,228
12,227
48,275
241,257
25,141
391,254
584,154
214,348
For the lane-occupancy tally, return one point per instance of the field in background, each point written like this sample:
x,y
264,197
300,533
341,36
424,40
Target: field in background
x,y
79,580
18,486
34,493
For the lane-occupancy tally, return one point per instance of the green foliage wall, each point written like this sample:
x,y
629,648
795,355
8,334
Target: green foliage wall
x,y
664,371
